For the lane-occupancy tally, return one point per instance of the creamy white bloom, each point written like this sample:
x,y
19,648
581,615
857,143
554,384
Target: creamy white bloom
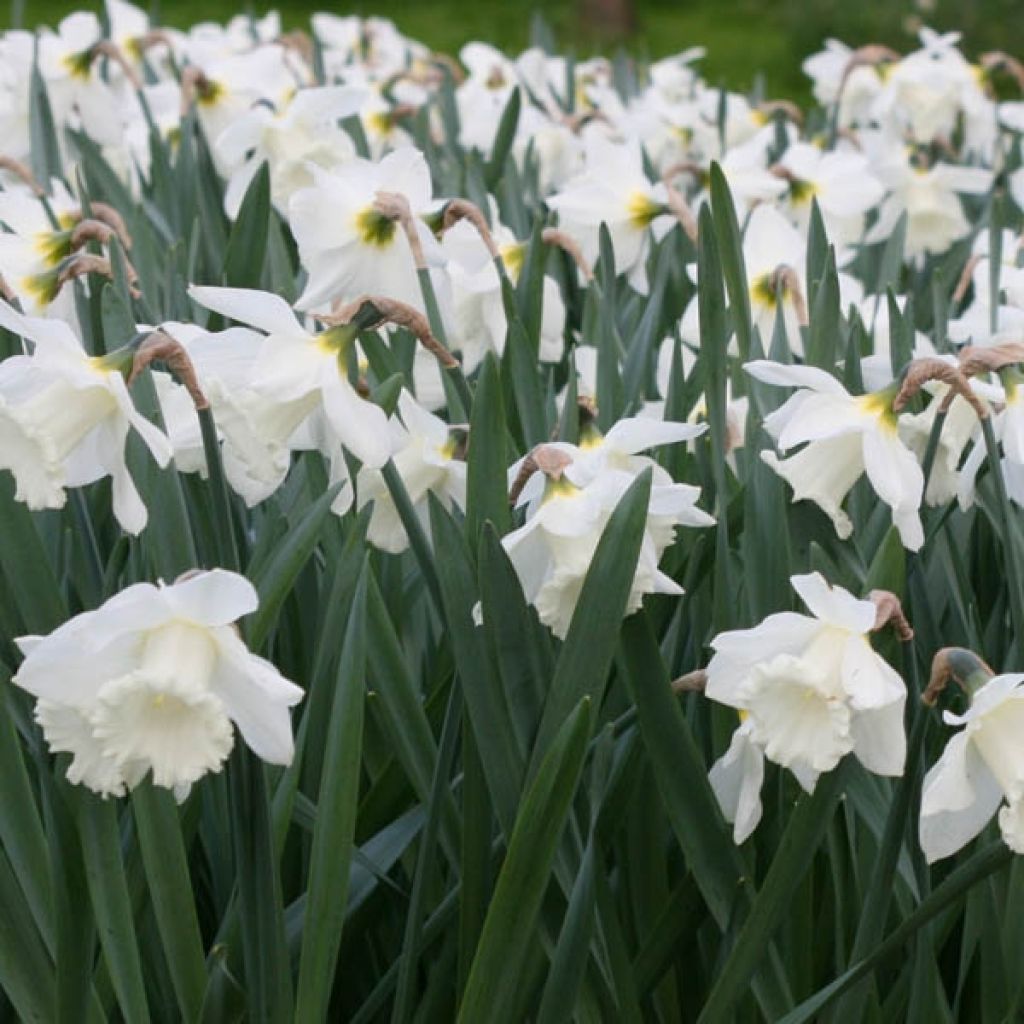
x,y
65,417
809,690
151,682
553,550
849,435
301,379
351,249
427,458
304,132
614,191
982,766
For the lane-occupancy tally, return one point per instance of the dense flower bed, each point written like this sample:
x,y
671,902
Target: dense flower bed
x,y
351,396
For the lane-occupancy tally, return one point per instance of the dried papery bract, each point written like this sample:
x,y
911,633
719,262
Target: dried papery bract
x,y
110,50
677,201
544,459
889,611
161,346
22,171
997,60
374,310
769,108
88,263
863,57
394,206
91,230
463,209
692,682
966,275
957,664
920,371
106,214
154,37
785,275
975,359
299,42
568,245
194,84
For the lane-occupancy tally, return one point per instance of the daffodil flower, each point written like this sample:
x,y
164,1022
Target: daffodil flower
x,y
151,682
427,458
981,767
848,435
348,245
65,418
810,689
301,378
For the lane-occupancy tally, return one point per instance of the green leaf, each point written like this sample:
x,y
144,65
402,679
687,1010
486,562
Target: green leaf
x,y
791,860
706,841
26,564
21,831
947,894
492,992
276,578
170,886
111,904
730,247
488,713
503,139
45,149
570,960
335,825
247,244
515,637
26,974
487,486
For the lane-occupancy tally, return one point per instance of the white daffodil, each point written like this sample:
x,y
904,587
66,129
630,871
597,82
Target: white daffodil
x,y
304,133
837,77
351,248
33,247
1008,428
849,435
613,190
151,681
810,689
930,199
842,183
982,766
566,517
480,324
428,458
65,418
257,433
302,380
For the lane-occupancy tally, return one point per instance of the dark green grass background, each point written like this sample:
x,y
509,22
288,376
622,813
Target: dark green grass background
x,y
743,37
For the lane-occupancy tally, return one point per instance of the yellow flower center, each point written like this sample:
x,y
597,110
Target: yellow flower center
x,y
374,229
641,209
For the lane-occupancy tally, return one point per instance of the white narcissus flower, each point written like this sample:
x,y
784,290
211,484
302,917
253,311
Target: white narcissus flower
x,y
258,434
65,417
151,681
301,379
930,198
304,133
348,246
809,691
613,190
842,183
1008,428
982,766
479,309
427,459
848,435
566,517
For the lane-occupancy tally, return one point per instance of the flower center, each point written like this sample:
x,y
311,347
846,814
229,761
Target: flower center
x,y
374,229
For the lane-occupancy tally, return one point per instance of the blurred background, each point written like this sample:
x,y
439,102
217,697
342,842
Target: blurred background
x,y
743,37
